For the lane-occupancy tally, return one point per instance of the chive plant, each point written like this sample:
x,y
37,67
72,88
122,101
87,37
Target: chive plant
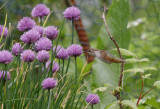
x,y
33,78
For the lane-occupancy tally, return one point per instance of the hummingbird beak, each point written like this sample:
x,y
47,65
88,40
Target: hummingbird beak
x,y
84,51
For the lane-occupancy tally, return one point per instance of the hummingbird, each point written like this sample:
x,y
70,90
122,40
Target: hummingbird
x,y
104,56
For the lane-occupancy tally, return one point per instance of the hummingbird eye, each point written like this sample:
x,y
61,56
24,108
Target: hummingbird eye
x,y
90,50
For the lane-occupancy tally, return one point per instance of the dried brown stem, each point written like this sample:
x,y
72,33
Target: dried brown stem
x,y
111,37
140,96
118,50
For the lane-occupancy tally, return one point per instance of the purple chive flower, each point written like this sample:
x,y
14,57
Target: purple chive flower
x,y
49,83
51,32
57,49
28,55
72,13
92,99
61,52
5,31
40,10
30,36
39,29
25,24
74,50
55,67
5,57
3,73
43,56
17,49
43,44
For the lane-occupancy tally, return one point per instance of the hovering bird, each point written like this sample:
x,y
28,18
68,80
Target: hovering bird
x,y
104,56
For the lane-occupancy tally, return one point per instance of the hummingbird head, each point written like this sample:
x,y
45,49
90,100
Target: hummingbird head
x,y
93,52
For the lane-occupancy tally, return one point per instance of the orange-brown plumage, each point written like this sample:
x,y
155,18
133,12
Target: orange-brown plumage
x,y
105,56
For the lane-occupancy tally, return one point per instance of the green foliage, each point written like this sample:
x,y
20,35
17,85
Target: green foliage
x,y
134,70
129,103
157,84
114,105
147,76
133,60
150,101
117,19
125,52
101,89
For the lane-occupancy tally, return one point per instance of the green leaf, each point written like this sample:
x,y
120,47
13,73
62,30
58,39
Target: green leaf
x,y
151,101
117,20
134,70
114,105
107,85
133,60
149,68
101,89
147,76
144,107
144,60
129,103
157,84
117,88
126,52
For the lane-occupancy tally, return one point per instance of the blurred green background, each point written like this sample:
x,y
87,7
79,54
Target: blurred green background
x,y
144,25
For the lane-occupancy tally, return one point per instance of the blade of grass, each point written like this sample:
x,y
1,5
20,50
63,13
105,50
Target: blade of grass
x,y
3,5
4,28
47,19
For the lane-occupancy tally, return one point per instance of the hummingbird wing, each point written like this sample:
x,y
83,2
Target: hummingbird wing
x,y
102,56
105,60
113,58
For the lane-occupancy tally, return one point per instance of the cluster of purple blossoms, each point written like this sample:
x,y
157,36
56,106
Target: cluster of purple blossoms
x,y
92,99
5,57
26,24
51,32
43,56
30,36
56,49
72,13
39,29
55,67
74,50
5,31
28,55
61,53
43,44
40,10
17,49
49,83
3,75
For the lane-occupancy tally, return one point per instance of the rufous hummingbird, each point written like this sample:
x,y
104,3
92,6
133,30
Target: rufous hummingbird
x,y
105,56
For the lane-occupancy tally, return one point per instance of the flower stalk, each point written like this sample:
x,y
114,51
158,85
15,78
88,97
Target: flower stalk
x,y
141,89
75,71
72,31
118,50
49,95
